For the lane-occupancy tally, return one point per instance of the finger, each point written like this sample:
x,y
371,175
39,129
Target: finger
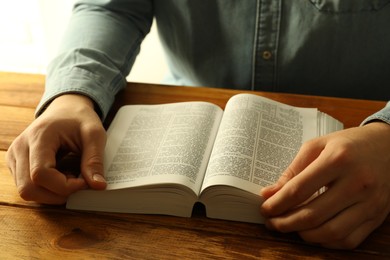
x,y
43,172
11,162
355,238
53,180
319,209
21,157
27,189
305,156
92,168
302,187
346,230
30,192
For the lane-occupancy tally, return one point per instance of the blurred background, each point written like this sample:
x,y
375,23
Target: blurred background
x,y
31,30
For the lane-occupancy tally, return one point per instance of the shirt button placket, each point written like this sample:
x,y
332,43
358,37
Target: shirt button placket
x,y
266,44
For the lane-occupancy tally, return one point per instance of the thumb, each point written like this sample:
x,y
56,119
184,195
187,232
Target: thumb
x,y
92,159
269,191
305,156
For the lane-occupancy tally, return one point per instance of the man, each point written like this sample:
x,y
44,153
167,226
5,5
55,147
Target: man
x,y
329,47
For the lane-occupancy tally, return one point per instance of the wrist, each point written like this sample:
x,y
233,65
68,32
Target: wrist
x,y
75,102
379,125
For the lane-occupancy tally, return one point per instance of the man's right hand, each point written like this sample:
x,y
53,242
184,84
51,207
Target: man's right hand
x,y
68,125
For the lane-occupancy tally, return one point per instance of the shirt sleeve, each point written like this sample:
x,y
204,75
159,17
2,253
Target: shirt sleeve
x,y
98,50
381,115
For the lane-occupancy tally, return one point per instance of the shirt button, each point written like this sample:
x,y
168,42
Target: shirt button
x,y
266,55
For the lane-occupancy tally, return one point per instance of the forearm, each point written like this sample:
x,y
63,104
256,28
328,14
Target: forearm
x,y
98,51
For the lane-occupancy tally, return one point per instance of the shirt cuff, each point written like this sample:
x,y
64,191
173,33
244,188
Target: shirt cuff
x,y
79,81
382,115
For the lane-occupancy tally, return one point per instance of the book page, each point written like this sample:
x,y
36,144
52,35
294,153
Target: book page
x,y
157,144
257,140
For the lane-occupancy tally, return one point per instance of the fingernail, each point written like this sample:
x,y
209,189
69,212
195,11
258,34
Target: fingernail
x,y
98,178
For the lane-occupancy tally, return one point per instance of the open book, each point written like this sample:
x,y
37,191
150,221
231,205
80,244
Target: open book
x,y
162,159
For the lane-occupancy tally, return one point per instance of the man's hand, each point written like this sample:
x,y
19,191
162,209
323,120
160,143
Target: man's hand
x,y
68,125
354,167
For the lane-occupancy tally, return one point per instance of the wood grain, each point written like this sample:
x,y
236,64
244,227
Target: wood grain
x,y
21,90
49,233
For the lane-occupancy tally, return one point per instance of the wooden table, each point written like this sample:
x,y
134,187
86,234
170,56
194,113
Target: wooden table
x,y
33,231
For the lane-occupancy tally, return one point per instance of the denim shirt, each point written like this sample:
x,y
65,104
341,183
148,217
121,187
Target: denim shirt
x,y
317,47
